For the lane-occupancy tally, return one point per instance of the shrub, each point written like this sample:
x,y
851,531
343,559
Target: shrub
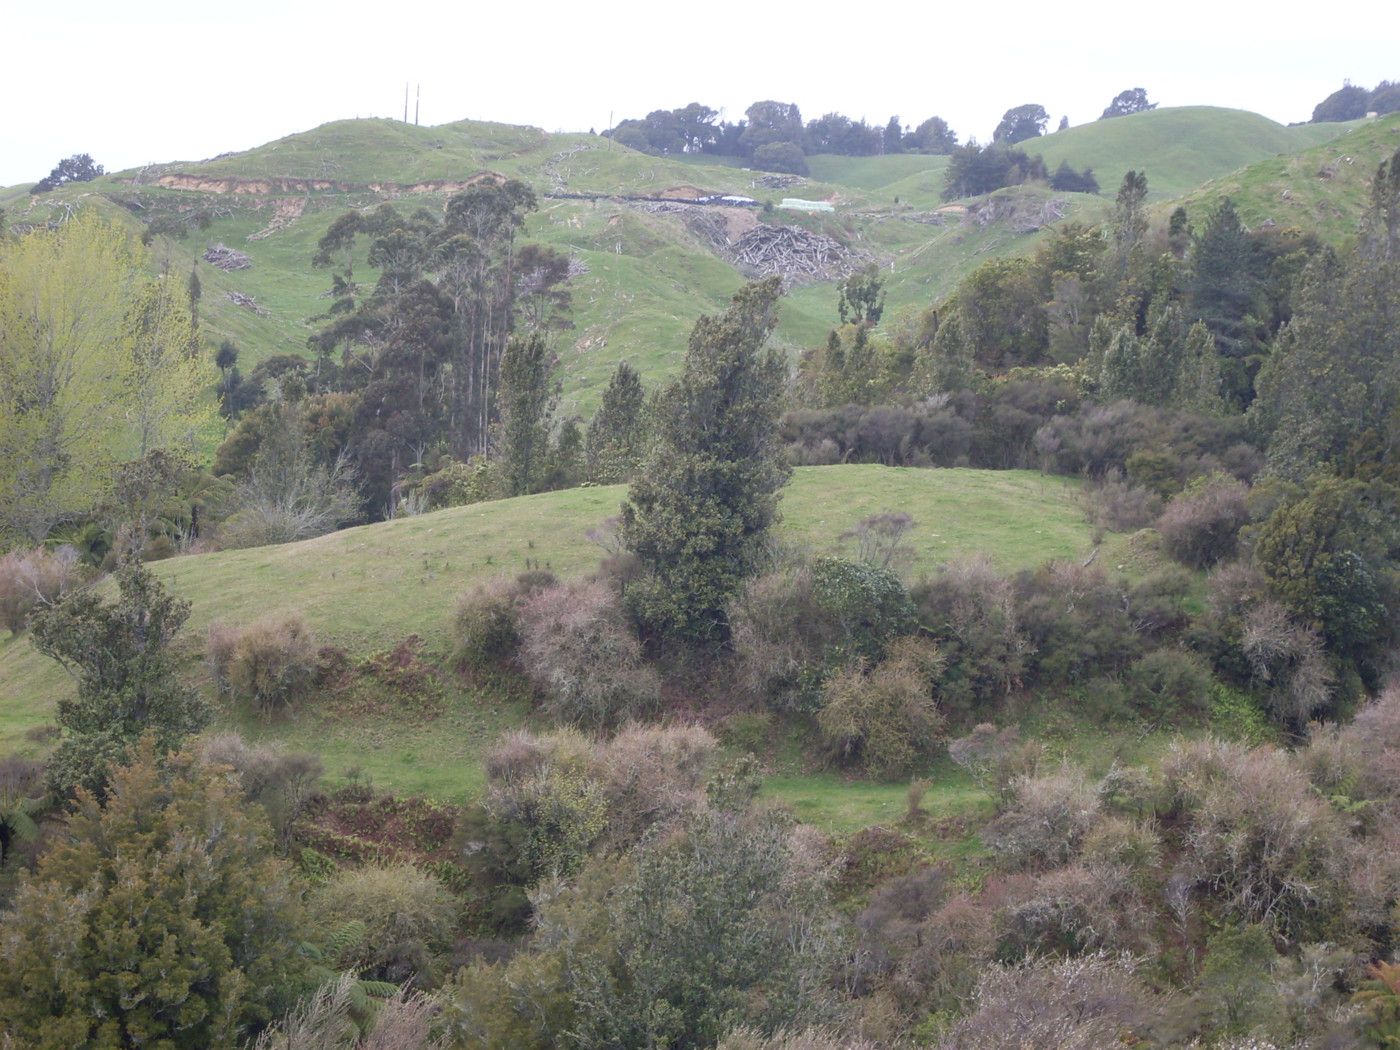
x,y
1073,910
995,758
1077,623
1168,684
1130,845
30,580
1258,839
652,775
1046,819
408,917
1087,1003
783,638
970,610
270,664
1290,661
484,629
869,604
884,720
1201,525
1117,505
581,653
280,781
331,1018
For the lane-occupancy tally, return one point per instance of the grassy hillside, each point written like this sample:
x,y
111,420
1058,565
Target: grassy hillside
x,y
647,276
1179,148
368,588
1324,189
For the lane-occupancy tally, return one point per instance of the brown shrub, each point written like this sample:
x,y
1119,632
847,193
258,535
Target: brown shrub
x,y
1072,910
780,633
808,1039
1046,819
1201,525
484,628
1087,1003
270,663
1117,505
1291,661
995,757
1257,839
580,652
30,580
281,781
885,720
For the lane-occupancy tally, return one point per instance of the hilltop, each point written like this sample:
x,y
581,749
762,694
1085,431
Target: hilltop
x,y
644,271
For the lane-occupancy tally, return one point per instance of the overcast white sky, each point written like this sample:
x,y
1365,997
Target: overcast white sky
x,y
163,80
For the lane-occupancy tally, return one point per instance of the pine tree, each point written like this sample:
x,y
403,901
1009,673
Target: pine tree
x,y
698,516
1224,290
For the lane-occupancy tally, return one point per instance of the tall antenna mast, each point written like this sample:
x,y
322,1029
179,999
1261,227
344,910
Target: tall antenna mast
x,y
417,98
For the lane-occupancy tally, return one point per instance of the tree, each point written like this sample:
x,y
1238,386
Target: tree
x,y
1020,123
698,516
161,919
528,395
862,300
1348,102
780,156
128,685
96,362
770,121
77,168
614,442
1134,100
1225,292
893,139
935,136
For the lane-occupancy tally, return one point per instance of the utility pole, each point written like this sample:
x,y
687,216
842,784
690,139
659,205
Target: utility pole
x,y
417,98
405,101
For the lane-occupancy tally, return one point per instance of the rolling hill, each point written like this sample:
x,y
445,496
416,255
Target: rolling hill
x,y
646,276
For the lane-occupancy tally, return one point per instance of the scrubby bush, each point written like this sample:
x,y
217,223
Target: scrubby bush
x,y
869,604
270,664
583,656
331,1019
808,1039
486,629
281,781
1077,623
652,775
994,757
1087,1003
1132,845
782,639
1257,839
1170,684
887,719
1290,661
1072,910
32,579
1046,819
971,611
1201,525
408,917
1117,505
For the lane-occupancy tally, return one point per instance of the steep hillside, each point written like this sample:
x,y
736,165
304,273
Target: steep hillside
x,y
1324,189
368,588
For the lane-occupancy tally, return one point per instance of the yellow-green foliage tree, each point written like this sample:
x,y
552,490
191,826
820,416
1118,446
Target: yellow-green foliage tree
x,y
162,919
99,363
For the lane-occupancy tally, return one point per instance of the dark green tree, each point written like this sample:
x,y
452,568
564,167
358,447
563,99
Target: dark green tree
x,y
119,651
1134,100
528,396
893,140
1020,123
160,919
698,517
1348,102
862,297
784,157
616,433
934,136
78,168
770,121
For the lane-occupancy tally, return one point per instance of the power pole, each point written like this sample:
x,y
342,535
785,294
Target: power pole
x,y
417,98
405,101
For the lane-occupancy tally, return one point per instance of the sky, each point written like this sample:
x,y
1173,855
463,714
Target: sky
x,y
163,81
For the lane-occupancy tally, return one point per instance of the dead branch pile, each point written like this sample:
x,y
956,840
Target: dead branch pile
x,y
780,182
247,302
1021,214
226,258
792,253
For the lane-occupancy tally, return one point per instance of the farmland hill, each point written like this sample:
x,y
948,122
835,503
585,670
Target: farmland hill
x,y
645,265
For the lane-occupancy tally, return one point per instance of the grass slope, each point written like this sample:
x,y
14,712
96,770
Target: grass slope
x,y
1324,189
368,588
1179,148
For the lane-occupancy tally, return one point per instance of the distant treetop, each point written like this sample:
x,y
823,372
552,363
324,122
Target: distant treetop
x,y
1134,100
1350,102
77,168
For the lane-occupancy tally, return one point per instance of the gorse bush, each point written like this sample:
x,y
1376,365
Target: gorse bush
x,y
887,719
270,664
31,580
1046,819
485,628
1168,685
